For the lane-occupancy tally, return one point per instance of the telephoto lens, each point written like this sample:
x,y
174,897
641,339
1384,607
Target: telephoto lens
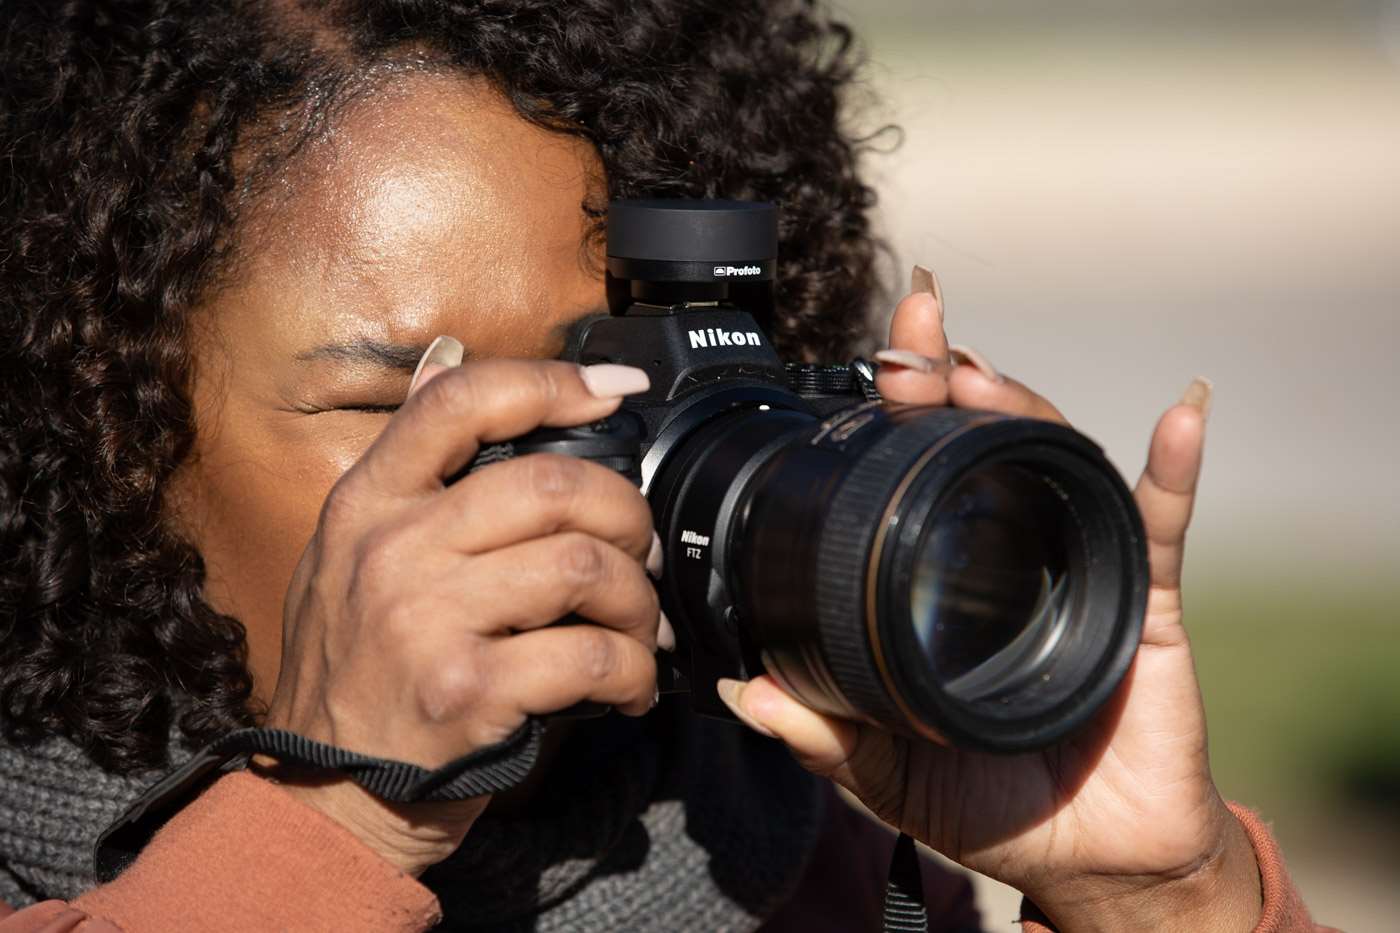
x,y
958,575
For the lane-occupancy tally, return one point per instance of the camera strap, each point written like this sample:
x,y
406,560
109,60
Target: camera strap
x,y
487,770
904,891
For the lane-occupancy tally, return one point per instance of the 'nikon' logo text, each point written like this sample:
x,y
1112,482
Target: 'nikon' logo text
x,y
726,271
709,337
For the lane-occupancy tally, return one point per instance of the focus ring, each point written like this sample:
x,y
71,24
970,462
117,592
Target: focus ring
x,y
847,548
847,538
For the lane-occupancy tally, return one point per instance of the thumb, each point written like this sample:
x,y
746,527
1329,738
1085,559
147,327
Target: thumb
x,y
915,368
866,761
821,743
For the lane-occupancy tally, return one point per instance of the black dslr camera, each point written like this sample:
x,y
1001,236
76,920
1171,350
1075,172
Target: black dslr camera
x,y
958,575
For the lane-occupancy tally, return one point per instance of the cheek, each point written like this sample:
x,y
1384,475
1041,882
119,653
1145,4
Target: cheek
x,y
255,501
255,522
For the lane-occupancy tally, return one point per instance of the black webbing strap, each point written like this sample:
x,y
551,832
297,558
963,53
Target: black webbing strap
x,y
485,771
904,892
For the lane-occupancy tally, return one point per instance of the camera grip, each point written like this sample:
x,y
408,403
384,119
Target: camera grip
x,y
615,442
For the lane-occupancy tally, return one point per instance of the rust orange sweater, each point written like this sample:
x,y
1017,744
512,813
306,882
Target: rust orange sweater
x,y
248,858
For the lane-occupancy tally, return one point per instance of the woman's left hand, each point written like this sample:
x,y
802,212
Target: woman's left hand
x,y
1119,827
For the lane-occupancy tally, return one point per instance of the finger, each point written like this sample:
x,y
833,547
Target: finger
x,y
970,387
445,421
821,743
443,353
549,670
536,583
539,495
917,372
917,323
856,757
1166,493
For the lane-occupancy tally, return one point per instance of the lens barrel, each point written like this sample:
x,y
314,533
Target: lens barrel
x,y
961,576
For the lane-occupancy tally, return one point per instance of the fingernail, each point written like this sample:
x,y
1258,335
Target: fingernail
x,y
654,556
731,691
610,380
908,359
1198,395
923,279
665,634
966,355
655,696
443,353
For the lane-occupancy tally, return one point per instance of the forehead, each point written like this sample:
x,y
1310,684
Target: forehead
x,y
429,199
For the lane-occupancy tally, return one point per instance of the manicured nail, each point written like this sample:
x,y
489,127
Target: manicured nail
x,y
610,380
654,556
1198,395
443,353
966,355
731,692
910,360
924,280
665,634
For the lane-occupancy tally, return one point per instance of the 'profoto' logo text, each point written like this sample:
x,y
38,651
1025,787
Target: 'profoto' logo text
x,y
709,337
727,271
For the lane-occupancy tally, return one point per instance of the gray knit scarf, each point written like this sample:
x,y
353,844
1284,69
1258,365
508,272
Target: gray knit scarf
x,y
679,823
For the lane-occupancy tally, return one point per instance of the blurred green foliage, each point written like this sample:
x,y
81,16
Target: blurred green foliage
x,y
1302,692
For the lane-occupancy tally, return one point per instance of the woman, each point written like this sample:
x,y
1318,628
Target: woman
x,y
240,235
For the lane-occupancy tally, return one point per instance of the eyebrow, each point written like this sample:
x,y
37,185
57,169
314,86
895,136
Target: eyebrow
x,y
405,357
387,355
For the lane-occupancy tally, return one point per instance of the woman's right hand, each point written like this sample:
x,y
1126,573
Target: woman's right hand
x,y
417,624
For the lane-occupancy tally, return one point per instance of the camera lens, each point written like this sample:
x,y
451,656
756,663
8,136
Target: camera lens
x,y
962,576
991,586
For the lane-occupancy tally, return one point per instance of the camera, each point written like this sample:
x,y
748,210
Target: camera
x,y
962,576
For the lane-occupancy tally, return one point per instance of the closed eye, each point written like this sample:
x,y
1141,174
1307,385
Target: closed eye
x,y
370,409
366,408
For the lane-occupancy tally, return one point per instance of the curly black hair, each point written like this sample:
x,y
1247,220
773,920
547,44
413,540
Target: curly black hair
x,y
134,134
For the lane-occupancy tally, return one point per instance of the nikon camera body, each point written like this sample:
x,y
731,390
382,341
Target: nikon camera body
x,y
963,576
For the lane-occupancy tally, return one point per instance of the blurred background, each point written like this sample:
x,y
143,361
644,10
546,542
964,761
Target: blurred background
x,y
1118,196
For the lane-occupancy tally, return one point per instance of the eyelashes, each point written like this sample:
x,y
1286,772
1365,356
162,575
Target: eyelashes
x,y
370,409
366,408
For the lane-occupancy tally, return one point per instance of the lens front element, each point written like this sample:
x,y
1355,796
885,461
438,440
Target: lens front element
x,y
991,582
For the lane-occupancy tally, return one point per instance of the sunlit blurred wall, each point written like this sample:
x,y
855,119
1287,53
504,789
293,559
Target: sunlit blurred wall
x,y
1119,196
